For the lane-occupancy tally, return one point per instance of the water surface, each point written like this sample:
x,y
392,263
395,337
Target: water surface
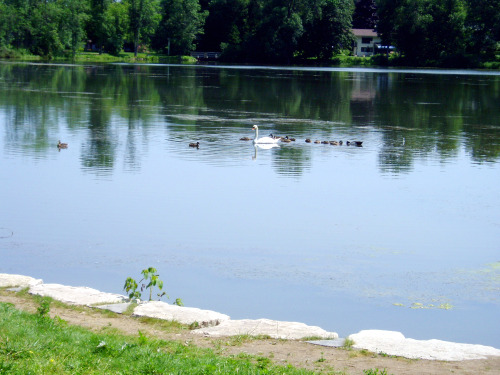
x,y
400,234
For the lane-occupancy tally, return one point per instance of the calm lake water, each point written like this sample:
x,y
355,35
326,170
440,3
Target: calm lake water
x,y
400,234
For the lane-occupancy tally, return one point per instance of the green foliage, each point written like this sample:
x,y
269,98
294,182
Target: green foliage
x,y
116,27
151,281
144,16
131,288
454,33
325,31
375,371
44,308
181,22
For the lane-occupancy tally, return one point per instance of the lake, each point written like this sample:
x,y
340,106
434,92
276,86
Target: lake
x,y
400,234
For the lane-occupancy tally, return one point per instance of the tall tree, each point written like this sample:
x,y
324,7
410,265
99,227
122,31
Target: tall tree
x,y
365,14
144,16
117,24
182,21
327,32
226,23
96,27
74,16
483,27
424,31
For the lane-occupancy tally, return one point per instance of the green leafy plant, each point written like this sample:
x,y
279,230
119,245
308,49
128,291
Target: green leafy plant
x,y
44,308
151,280
131,288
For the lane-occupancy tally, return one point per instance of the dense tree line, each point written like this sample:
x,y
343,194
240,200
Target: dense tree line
x,y
424,31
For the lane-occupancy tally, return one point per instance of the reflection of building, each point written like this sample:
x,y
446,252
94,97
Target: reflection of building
x,y
366,42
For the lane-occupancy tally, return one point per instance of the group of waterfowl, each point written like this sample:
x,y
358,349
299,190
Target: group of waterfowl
x,y
273,139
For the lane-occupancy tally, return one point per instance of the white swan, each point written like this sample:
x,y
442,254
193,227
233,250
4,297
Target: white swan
x,y
263,140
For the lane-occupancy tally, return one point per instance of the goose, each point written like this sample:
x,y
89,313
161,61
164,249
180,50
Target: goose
x,y
197,145
308,140
334,143
325,142
62,145
290,138
286,140
245,139
263,139
317,141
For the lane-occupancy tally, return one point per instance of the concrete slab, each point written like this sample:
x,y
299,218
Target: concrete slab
x,y
394,343
331,343
21,281
76,295
118,308
273,328
181,314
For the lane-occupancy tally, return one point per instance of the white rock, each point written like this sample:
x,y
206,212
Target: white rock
x,y
394,343
273,328
76,295
181,314
7,280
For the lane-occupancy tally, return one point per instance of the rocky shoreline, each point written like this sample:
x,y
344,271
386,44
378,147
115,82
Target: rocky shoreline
x,y
213,324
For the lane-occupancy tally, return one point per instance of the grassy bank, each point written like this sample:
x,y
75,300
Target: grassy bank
x,y
38,344
95,57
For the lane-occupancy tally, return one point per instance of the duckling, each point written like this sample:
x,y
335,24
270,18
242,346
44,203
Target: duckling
x,y
62,145
334,143
197,145
325,142
317,141
308,140
354,143
245,139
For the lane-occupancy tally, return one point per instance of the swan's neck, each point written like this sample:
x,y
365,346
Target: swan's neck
x,y
256,134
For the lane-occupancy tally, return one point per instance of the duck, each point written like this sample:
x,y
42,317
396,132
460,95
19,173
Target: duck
x,y
263,139
62,145
317,141
334,143
197,145
245,139
308,140
325,142
354,143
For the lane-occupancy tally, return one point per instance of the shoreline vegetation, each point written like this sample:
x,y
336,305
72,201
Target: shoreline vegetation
x,y
42,335
340,60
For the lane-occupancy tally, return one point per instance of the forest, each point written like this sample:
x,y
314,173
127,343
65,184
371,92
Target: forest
x,y
453,33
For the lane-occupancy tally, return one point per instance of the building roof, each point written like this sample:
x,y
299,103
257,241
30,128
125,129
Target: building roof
x,y
364,32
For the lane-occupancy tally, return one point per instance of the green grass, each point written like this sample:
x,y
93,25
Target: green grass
x,y
95,57
37,344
